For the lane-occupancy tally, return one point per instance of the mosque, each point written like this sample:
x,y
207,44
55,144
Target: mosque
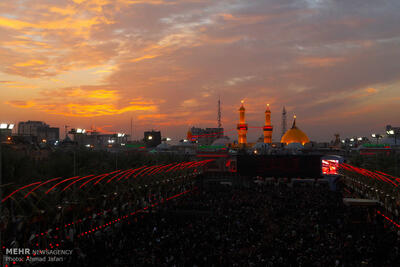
x,y
293,135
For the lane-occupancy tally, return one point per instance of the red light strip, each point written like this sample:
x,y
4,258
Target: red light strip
x,y
91,179
163,169
156,170
383,177
129,172
388,175
54,186
345,189
132,172
65,188
93,230
100,213
212,155
172,167
141,171
387,218
116,175
101,178
36,187
367,173
7,197
150,169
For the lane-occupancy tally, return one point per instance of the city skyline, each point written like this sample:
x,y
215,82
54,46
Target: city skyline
x,y
164,63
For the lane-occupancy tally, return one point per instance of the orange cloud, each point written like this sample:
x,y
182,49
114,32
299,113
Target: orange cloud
x,y
243,19
94,110
14,24
86,102
320,61
7,82
21,104
29,63
371,90
143,58
109,95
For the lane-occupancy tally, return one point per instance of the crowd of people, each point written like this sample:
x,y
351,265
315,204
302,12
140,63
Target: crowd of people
x,y
259,226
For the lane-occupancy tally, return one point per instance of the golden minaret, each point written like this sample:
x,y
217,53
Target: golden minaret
x,y
268,127
242,126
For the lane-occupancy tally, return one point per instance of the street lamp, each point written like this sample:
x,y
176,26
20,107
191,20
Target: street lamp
x,y
394,133
377,136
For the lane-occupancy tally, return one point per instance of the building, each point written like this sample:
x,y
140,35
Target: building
x,y
204,136
294,135
6,131
39,130
94,139
152,138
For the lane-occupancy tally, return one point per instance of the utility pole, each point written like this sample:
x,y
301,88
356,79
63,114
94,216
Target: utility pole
x,y
74,163
66,130
131,129
116,160
219,113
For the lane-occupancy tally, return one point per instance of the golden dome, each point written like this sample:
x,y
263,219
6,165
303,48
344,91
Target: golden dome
x,y
294,135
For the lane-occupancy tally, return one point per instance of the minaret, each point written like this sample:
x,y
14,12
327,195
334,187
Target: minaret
x,y
242,126
268,127
294,122
283,121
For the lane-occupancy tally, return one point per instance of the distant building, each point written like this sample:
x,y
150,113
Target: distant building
x,y
6,131
96,139
152,138
39,130
205,136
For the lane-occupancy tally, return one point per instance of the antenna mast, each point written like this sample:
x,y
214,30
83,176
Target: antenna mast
x,y
219,113
131,129
66,131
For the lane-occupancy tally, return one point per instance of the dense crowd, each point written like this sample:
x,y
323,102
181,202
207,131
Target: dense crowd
x,y
265,225
261,226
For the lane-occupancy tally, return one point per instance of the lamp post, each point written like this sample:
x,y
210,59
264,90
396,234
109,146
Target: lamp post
x,y
377,136
394,133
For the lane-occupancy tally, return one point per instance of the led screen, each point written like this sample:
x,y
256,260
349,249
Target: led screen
x,y
330,166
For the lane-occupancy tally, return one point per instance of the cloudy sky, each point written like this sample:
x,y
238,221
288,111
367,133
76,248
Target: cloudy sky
x,y
99,63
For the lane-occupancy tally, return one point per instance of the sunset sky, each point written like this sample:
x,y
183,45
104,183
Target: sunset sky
x,y
84,63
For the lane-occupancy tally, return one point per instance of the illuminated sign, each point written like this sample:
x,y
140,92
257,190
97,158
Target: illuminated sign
x,y
377,145
216,147
330,166
135,145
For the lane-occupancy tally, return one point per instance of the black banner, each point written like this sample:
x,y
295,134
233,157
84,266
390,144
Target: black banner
x,y
295,166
